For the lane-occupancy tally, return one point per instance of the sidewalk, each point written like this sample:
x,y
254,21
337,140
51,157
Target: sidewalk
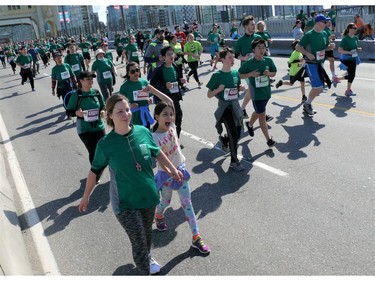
x,y
13,256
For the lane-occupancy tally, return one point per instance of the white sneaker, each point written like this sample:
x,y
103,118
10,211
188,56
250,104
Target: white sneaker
x,y
154,266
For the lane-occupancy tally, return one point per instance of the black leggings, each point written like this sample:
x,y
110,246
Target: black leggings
x,y
178,121
27,73
90,140
352,66
233,131
138,225
193,70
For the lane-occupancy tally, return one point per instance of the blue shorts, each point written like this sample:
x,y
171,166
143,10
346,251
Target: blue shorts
x,y
312,72
259,105
214,48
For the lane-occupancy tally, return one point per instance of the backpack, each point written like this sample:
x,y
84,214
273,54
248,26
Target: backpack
x,y
72,113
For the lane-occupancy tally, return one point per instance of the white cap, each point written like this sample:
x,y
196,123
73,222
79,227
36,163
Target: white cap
x,y
99,51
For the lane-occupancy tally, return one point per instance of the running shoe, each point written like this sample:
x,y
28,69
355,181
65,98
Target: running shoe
x,y
269,118
304,98
335,81
199,244
154,265
280,83
224,143
349,93
271,142
160,224
308,109
245,114
250,129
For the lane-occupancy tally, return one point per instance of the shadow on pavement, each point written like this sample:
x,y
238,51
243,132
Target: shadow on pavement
x,y
99,201
343,104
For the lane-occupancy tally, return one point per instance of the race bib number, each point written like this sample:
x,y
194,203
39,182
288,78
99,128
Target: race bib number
x,y
320,55
140,95
230,93
65,75
174,88
85,50
134,54
75,67
142,40
26,65
91,115
354,53
261,81
107,74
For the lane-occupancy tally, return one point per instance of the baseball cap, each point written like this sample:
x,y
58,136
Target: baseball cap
x,y
158,30
99,51
85,74
56,54
321,18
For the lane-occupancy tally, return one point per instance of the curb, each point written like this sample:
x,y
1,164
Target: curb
x,y
13,255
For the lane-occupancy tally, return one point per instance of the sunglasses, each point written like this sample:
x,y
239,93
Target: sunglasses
x,y
134,70
323,21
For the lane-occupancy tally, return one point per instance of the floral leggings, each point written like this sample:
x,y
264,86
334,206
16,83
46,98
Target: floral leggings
x,y
185,199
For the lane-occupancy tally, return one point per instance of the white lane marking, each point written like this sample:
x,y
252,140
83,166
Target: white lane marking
x,y
46,256
240,157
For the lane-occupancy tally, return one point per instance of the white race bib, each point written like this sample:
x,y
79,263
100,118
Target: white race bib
x,y
140,95
26,65
354,53
230,93
134,54
174,88
65,75
75,67
320,55
91,115
107,74
85,50
261,81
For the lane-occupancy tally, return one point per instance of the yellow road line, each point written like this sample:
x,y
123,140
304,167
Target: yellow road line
x,y
366,113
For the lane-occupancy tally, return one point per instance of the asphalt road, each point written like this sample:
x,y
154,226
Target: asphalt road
x,y
305,207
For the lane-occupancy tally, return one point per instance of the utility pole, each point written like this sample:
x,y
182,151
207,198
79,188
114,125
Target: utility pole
x,y
63,14
123,18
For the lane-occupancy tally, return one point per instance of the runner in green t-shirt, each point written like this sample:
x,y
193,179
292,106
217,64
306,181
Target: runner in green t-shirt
x,y
139,93
128,151
24,61
105,72
225,85
62,76
132,51
85,47
257,72
75,60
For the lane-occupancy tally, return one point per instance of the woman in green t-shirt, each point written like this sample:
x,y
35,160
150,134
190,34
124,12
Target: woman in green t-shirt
x,y
349,55
128,151
139,93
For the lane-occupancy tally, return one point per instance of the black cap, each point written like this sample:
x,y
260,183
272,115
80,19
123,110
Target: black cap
x,y
85,74
56,53
158,30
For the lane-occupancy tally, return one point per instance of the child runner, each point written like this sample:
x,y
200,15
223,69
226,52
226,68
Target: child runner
x,y
257,72
225,85
295,63
165,136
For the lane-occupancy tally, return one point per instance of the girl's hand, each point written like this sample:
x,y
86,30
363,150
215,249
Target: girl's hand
x,y
169,85
241,87
83,204
221,88
254,73
134,105
359,49
177,175
183,80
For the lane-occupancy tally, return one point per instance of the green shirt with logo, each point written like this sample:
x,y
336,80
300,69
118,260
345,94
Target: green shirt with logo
x,y
260,84
231,80
130,188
